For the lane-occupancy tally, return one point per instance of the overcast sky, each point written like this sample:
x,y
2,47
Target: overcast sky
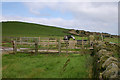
x,y
89,16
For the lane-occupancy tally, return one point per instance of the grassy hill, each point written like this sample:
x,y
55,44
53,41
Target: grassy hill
x,y
14,28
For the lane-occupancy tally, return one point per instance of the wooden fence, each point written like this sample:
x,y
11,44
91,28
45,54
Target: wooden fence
x,y
43,44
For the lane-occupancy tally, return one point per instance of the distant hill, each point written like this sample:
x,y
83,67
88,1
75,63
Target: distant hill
x,y
87,33
14,28
23,29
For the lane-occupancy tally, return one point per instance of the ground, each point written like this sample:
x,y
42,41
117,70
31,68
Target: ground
x,y
23,65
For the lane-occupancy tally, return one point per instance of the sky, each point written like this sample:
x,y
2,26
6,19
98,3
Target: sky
x,y
89,16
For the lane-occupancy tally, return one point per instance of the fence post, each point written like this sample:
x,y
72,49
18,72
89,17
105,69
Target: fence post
x,y
14,47
36,46
67,46
59,46
48,45
56,42
82,43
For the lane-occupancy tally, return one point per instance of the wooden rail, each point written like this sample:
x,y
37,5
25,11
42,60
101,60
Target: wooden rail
x,y
39,43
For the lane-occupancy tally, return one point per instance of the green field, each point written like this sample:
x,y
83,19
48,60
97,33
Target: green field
x,y
24,65
22,29
114,40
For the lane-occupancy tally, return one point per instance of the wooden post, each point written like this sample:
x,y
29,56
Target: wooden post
x,y
82,43
36,46
56,42
67,46
48,45
59,46
14,47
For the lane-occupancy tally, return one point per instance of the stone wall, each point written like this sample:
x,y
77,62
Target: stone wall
x,y
105,64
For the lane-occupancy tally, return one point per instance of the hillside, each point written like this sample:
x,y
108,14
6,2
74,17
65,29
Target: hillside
x,y
14,28
23,29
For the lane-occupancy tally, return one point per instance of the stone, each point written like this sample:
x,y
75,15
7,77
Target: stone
x,y
111,71
109,61
91,38
102,60
104,52
101,52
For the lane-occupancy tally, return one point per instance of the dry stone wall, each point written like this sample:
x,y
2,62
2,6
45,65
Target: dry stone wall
x,y
105,63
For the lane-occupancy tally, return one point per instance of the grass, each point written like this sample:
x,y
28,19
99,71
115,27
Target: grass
x,y
114,40
45,66
22,29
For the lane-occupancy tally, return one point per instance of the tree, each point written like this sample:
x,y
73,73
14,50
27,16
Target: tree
x,y
77,31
